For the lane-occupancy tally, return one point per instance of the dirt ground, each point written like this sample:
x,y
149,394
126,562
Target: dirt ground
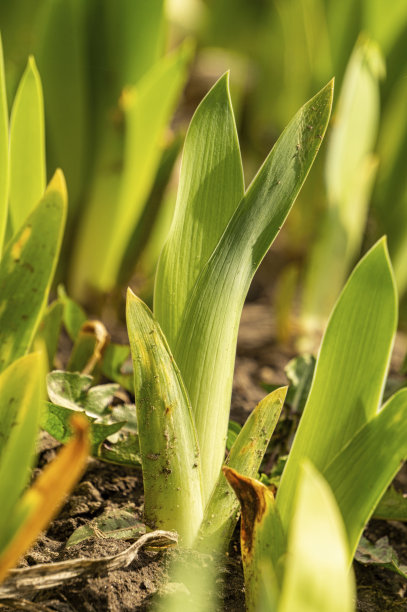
x,y
109,487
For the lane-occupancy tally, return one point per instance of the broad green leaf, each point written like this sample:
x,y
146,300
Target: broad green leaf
x,y
117,524
44,498
210,189
73,390
206,343
168,443
245,457
349,171
4,152
380,554
109,222
21,391
27,147
316,577
27,269
68,389
261,535
360,474
351,368
56,420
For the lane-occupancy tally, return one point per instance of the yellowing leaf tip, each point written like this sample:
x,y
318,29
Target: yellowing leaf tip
x,y
58,183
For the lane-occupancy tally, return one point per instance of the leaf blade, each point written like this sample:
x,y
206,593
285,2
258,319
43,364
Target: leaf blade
x,y
205,350
245,457
352,364
168,443
210,189
27,269
27,146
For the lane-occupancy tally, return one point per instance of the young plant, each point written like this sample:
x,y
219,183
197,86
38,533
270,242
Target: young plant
x,y
355,443
184,355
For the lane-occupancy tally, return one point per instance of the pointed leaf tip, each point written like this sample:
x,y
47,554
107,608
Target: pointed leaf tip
x,y
32,65
58,183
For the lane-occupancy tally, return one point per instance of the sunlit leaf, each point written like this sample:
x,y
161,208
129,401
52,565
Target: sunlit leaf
x,y
245,457
27,269
316,576
27,147
360,474
169,448
349,377
22,392
206,342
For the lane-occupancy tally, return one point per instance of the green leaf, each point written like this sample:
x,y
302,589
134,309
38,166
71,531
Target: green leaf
x,y
168,443
349,377
4,152
210,189
73,390
27,269
56,420
27,147
21,391
206,343
245,457
360,474
117,524
380,554
147,108
68,389
316,577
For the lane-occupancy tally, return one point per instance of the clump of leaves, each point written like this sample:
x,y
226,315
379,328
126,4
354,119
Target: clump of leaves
x,y
183,355
354,442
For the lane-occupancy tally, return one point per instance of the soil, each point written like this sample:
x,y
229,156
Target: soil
x,y
108,487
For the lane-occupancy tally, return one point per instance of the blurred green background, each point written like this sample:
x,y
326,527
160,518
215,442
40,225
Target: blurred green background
x,y
280,53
